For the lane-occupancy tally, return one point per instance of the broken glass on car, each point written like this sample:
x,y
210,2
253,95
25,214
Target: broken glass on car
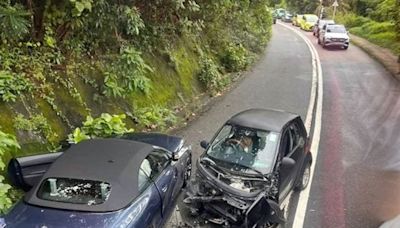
x,y
244,149
74,191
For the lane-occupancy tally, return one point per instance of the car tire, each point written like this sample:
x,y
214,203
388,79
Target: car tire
x,y
304,180
346,47
188,172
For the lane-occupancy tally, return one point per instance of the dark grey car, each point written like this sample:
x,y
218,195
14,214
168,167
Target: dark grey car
x,y
249,168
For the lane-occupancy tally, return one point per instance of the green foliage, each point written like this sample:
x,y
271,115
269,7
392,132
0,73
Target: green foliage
x,y
72,52
80,5
104,126
235,57
351,20
385,10
14,22
131,18
12,85
155,117
8,144
303,6
381,33
5,201
37,124
209,75
127,74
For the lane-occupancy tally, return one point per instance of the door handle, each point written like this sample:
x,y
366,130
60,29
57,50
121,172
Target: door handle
x,y
164,189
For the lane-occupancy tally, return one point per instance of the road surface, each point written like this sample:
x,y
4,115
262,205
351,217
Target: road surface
x,y
356,178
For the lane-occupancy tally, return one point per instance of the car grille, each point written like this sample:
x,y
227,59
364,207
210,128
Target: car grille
x,y
338,39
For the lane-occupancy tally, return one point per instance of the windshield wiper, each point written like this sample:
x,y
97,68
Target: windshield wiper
x,y
249,167
212,162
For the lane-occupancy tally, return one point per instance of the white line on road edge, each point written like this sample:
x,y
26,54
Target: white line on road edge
x,y
317,71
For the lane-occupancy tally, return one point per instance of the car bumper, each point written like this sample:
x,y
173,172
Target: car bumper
x,y
336,43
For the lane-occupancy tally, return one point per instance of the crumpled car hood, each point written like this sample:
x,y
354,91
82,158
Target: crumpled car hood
x,y
219,200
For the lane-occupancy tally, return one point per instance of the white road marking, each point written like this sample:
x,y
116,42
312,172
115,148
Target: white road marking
x,y
316,85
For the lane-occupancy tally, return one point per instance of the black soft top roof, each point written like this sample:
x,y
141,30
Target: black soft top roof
x,y
262,119
115,161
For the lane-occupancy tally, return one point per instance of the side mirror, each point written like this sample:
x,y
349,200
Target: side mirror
x,y
204,144
288,162
180,153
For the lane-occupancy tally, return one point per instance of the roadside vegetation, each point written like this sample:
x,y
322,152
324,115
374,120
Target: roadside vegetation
x,y
81,69
375,20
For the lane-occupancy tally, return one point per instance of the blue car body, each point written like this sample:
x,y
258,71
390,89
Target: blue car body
x,y
151,208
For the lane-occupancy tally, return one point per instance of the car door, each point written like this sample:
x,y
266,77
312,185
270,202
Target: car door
x,y
150,214
284,172
297,151
164,176
25,172
293,147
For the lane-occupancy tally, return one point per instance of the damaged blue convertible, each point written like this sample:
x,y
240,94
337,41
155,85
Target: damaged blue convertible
x,y
130,181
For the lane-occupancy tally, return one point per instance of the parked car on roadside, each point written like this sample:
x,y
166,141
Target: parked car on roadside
x,y
308,22
251,165
297,19
287,17
320,23
130,181
334,35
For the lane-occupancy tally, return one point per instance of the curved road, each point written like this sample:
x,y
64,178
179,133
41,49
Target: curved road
x,y
357,175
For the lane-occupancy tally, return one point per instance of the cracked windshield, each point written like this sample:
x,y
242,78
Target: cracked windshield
x,y
200,113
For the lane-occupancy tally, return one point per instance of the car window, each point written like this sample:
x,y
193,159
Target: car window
x,y
75,191
337,29
295,134
151,167
286,144
244,147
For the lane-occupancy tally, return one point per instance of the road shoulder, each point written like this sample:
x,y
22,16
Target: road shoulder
x,y
389,60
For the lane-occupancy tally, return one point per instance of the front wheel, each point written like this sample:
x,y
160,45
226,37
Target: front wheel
x,y
346,47
305,178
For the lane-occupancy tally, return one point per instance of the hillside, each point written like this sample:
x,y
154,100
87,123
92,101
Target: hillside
x,y
115,66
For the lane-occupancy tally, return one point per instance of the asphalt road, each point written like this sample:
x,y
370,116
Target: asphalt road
x,y
357,176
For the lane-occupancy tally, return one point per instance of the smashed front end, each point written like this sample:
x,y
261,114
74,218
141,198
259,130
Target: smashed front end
x,y
232,199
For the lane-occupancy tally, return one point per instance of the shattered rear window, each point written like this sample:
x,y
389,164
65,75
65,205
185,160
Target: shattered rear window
x,y
74,191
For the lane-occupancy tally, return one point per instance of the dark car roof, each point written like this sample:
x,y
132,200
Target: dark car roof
x,y
263,119
115,161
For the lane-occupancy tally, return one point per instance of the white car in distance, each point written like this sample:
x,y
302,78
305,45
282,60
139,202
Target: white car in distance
x,y
334,35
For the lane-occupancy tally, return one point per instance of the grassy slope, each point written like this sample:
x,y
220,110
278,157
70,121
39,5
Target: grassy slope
x,y
172,80
379,33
